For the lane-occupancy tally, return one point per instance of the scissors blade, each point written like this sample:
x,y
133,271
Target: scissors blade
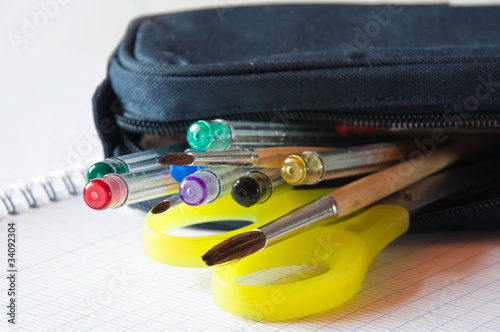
x,y
444,184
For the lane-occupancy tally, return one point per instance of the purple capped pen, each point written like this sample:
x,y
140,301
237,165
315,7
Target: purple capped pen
x,y
205,186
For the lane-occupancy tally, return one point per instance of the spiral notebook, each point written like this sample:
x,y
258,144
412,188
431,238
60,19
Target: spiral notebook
x,y
41,190
80,269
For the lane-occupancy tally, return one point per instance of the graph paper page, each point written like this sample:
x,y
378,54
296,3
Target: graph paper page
x,y
82,270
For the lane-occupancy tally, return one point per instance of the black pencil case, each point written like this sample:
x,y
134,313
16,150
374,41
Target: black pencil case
x,y
417,70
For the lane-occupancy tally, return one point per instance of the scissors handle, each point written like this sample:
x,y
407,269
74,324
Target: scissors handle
x,y
187,251
345,249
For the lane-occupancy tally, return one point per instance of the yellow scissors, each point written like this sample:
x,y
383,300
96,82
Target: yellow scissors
x,y
344,249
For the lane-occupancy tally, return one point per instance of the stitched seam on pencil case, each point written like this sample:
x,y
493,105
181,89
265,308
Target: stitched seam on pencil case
x,y
126,68
313,103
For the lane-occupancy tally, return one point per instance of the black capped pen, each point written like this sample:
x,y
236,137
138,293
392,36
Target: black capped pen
x,y
257,186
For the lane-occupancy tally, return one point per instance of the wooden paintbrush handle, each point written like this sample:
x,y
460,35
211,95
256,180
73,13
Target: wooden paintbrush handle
x,y
274,157
376,186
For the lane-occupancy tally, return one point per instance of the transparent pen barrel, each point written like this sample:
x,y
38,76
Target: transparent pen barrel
x,y
311,167
144,185
273,179
274,176
142,160
261,134
226,177
360,160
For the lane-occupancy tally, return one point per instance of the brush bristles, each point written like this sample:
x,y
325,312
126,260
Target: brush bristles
x,y
176,159
160,207
236,247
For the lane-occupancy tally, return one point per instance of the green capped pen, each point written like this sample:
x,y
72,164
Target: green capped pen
x,y
129,163
222,135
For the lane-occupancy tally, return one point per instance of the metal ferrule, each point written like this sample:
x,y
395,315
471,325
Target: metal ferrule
x,y
245,157
315,213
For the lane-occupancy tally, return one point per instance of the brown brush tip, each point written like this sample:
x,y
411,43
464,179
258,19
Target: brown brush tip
x,y
236,247
161,207
176,159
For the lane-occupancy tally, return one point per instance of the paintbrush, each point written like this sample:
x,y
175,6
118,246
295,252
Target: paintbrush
x,y
265,157
166,204
339,203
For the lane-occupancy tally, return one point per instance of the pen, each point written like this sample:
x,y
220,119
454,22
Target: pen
x,y
206,185
223,135
257,186
266,157
337,204
127,163
115,190
312,167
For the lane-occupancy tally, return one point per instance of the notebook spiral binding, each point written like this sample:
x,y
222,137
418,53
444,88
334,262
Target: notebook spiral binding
x,y
38,191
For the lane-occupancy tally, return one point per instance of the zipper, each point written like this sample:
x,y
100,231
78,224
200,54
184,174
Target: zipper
x,y
448,217
130,143
420,121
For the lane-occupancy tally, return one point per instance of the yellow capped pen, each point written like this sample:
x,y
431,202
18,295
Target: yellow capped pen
x,y
311,167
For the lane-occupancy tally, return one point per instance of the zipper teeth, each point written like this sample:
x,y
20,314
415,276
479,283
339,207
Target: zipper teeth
x,y
177,127
460,211
357,120
129,143
147,127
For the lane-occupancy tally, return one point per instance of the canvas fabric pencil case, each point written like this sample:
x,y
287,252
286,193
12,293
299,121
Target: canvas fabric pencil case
x,y
429,71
